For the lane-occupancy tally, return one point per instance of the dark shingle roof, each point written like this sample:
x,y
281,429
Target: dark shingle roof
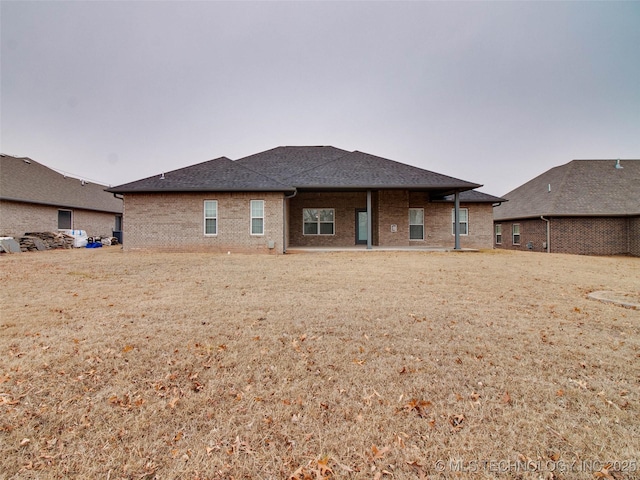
x,y
362,170
474,196
221,175
283,163
287,168
25,180
578,188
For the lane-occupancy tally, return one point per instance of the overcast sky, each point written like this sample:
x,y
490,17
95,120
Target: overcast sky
x,y
493,93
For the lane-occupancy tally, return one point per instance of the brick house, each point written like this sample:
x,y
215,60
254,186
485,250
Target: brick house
x,y
35,198
587,207
303,197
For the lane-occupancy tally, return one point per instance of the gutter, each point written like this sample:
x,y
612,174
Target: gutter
x,y
548,233
284,219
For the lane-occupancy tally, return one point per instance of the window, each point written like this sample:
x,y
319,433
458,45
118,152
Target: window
x,y
64,220
210,217
498,229
257,217
515,229
463,221
318,221
416,224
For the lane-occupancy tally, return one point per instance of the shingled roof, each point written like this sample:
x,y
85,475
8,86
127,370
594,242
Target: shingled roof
x,y
578,188
218,175
25,180
288,168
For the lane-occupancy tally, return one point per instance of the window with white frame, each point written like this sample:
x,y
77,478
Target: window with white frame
x,y
416,224
257,217
463,221
498,229
515,231
210,217
318,221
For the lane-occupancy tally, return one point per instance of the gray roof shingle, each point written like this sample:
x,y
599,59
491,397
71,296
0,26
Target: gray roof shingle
x,y
283,163
578,188
220,175
362,170
25,180
288,168
474,196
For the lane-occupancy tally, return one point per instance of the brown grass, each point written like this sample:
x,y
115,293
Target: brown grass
x,y
345,365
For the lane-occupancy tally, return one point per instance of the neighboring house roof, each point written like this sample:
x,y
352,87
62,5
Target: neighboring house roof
x,y
578,188
289,168
25,180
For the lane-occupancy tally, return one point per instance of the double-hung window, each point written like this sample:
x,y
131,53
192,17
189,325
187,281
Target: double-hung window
x,y
463,221
498,229
257,217
318,221
210,217
515,232
416,224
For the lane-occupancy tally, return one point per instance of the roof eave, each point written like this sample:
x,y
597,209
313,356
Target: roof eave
x,y
439,188
60,205
197,190
565,215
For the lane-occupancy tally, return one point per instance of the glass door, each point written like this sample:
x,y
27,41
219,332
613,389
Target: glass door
x,y
361,226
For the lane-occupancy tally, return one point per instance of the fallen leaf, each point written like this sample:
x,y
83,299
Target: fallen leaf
x,y
378,453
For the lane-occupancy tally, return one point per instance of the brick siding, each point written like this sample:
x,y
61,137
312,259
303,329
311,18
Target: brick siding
x,y
175,222
389,207
634,236
576,235
17,218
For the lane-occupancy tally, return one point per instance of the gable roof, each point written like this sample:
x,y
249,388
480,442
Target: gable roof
x,y
25,180
288,168
218,175
578,188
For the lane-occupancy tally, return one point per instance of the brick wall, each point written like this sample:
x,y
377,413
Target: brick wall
x,y
175,222
345,205
17,218
576,235
389,207
634,236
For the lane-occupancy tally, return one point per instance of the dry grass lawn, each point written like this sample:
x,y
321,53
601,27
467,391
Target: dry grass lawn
x,y
393,365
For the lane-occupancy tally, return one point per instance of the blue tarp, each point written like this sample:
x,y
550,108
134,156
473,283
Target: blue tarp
x,y
94,245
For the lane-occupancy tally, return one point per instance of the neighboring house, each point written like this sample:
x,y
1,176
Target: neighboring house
x,y
301,197
588,207
35,198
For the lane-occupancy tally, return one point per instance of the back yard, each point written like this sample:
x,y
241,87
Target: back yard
x,y
393,365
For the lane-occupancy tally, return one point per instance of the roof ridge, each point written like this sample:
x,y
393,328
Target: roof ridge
x,y
566,169
320,164
235,162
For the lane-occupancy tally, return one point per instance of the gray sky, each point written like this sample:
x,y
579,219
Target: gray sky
x,y
493,93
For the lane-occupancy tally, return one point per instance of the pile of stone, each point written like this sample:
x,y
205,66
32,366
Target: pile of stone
x,y
45,241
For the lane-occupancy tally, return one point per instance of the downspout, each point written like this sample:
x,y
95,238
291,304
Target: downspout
x,y
285,226
548,233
